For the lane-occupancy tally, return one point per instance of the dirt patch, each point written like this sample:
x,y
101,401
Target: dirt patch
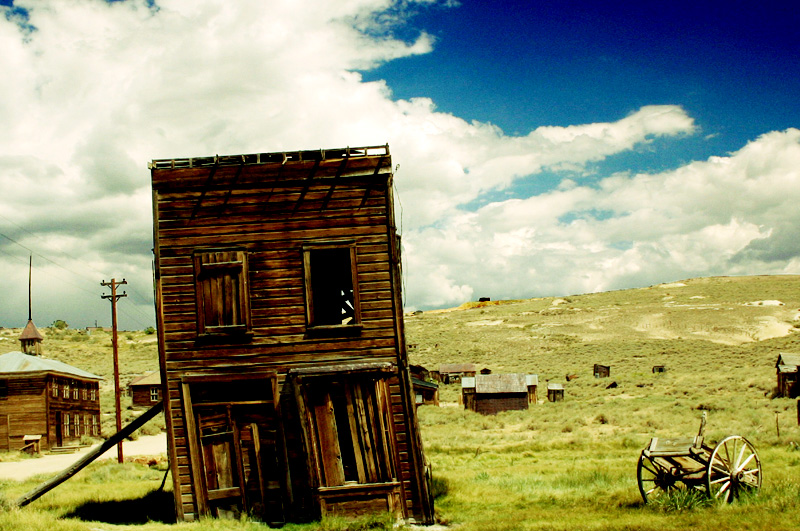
x,y
151,445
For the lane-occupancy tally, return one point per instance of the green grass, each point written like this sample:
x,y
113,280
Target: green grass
x,y
557,466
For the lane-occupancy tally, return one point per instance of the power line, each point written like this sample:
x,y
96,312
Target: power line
x,y
135,308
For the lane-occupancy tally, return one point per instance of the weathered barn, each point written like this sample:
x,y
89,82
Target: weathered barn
x,y
46,401
555,392
601,371
281,340
489,394
146,390
453,372
787,368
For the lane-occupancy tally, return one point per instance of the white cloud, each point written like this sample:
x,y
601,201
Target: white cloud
x,y
100,89
727,215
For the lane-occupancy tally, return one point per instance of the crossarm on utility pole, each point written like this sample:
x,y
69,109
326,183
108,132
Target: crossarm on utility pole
x,y
74,468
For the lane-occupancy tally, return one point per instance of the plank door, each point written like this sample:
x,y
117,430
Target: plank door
x,y
236,449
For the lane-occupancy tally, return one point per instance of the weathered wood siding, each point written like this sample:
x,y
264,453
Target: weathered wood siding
x,y
141,395
491,404
270,211
22,411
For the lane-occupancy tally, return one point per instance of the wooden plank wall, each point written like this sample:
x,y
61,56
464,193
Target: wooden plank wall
x,y
271,212
24,409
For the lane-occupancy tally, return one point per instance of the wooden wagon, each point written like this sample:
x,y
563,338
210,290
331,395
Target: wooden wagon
x,y
725,471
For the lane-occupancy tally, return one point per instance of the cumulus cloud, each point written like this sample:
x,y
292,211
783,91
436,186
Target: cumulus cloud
x,y
98,89
725,215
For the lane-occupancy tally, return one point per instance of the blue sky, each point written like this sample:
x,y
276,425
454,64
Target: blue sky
x,y
550,149
733,66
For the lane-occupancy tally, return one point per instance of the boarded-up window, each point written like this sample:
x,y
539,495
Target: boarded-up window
x,y
223,305
331,286
351,431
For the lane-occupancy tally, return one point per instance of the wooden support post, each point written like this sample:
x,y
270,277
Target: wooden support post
x,y
76,467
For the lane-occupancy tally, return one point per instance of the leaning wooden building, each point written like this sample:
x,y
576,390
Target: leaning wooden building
x,y
281,341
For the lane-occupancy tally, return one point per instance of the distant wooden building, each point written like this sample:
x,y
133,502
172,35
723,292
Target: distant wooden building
x,y
489,394
426,391
555,392
601,371
787,368
50,403
453,372
145,390
659,369
281,337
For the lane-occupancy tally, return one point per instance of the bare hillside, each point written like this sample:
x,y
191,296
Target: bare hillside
x,y
682,323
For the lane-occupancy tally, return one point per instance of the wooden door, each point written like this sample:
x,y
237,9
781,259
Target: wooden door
x,y
59,427
237,450
221,463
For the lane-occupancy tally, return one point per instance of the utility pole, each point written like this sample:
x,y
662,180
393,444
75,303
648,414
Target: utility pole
x,y
114,297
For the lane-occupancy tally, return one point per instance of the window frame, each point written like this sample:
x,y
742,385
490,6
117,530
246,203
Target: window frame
x,y
313,328
208,270
155,394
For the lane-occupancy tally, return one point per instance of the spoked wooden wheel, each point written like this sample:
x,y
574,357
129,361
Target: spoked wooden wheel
x,y
654,480
734,468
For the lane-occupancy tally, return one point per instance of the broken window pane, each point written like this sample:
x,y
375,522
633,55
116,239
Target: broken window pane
x,y
332,296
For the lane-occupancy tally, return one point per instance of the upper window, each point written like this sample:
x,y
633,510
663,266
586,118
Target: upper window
x,y
223,305
3,388
331,286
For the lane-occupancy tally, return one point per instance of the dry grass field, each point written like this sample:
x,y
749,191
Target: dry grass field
x,y
567,465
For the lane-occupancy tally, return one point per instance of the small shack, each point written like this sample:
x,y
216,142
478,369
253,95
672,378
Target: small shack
x,y
659,369
555,392
532,382
787,369
145,390
453,372
489,394
426,391
601,371
46,403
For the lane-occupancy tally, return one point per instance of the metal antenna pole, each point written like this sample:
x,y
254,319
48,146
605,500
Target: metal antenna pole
x,y
113,298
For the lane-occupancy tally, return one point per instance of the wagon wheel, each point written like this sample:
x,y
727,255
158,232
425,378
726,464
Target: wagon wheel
x,y
734,468
654,480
